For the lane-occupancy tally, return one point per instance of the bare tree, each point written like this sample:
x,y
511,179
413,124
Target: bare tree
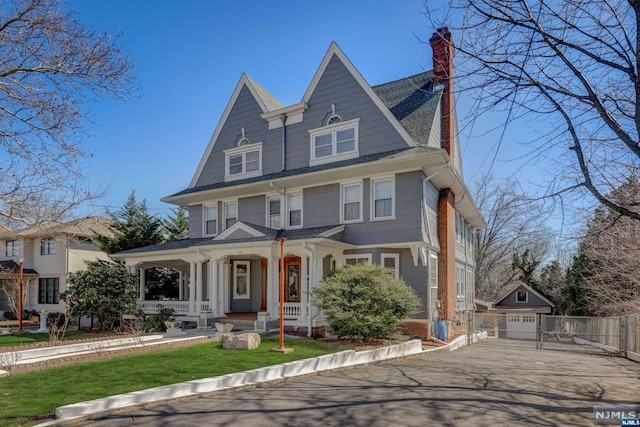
x,y
567,69
51,67
515,225
610,283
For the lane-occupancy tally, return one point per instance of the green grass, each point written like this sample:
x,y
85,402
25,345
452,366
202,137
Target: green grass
x,y
30,395
27,339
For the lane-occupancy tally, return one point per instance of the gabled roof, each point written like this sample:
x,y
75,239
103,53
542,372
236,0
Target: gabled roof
x,y
334,50
263,234
517,285
87,227
265,100
414,102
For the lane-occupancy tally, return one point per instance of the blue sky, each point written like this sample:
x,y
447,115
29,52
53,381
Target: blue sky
x,y
189,55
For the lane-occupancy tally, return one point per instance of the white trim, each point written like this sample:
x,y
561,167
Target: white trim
x,y
224,212
526,297
288,209
433,256
396,260
244,81
332,231
204,218
267,211
333,130
372,181
335,50
361,202
236,226
242,150
235,278
368,257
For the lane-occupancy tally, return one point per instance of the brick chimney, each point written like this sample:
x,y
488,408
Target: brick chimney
x,y
443,74
443,52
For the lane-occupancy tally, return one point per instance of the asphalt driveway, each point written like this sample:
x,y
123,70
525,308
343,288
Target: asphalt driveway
x,y
496,382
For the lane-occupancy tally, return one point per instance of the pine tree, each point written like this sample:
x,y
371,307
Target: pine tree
x,y
176,226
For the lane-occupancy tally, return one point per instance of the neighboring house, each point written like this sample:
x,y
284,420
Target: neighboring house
x,y
520,303
49,253
352,173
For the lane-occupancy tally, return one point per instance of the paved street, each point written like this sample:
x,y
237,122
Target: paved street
x,y
497,382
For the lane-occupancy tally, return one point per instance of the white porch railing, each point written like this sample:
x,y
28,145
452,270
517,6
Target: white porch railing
x,y
292,310
180,307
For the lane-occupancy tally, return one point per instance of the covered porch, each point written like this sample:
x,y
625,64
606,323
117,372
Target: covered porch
x,y
231,274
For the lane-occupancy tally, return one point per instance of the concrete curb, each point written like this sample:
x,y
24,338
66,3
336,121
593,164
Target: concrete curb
x,y
239,379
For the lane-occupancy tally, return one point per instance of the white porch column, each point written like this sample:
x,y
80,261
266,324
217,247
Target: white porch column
x,y
180,286
273,286
221,293
304,288
198,287
141,283
226,298
192,286
213,287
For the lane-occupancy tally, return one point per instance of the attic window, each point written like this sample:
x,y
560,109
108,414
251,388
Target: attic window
x,y
243,162
333,118
521,296
242,139
335,142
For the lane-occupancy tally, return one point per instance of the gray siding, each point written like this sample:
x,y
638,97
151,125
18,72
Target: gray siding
x,y
407,225
251,210
195,221
533,300
416,277
245,113
337,86
321,206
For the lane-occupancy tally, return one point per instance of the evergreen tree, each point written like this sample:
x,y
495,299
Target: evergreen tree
x,y
553,284
574,291
527,265
133,227
176,226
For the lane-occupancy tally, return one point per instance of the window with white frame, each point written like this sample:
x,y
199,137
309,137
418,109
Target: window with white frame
x,y
354,259
470,287
241,279
211,219
392,262
47,246
522,296
382,198
230,213
12,248
295,210
337,141
351,202
274,212
243,162
460,281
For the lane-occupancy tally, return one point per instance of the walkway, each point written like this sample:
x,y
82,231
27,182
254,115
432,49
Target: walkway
x,y
496,382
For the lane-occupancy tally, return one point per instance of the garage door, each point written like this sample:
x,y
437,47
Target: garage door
x,y
521,326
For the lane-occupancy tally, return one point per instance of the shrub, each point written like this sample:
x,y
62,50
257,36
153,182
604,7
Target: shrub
x,y
155,322
56,319
365,301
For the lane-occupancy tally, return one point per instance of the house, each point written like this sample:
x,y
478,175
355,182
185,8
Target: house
x,y
49,253
351,173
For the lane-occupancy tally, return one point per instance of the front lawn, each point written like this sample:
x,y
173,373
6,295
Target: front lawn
x,y
34,394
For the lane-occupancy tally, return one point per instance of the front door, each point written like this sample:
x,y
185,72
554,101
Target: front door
x,y
292,279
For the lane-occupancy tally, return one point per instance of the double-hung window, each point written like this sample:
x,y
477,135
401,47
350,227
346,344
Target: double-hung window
x,y
295,210
13,248
230,213
382,198
334,142
274,212
351,203
355,259
391,262
243,162
211,220
47,247
48,290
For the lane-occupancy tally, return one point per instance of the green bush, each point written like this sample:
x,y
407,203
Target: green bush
x,y
365,301
56,319
155,322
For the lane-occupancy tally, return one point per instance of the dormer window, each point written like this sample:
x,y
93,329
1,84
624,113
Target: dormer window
x,y
334,142
334,119
243,162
